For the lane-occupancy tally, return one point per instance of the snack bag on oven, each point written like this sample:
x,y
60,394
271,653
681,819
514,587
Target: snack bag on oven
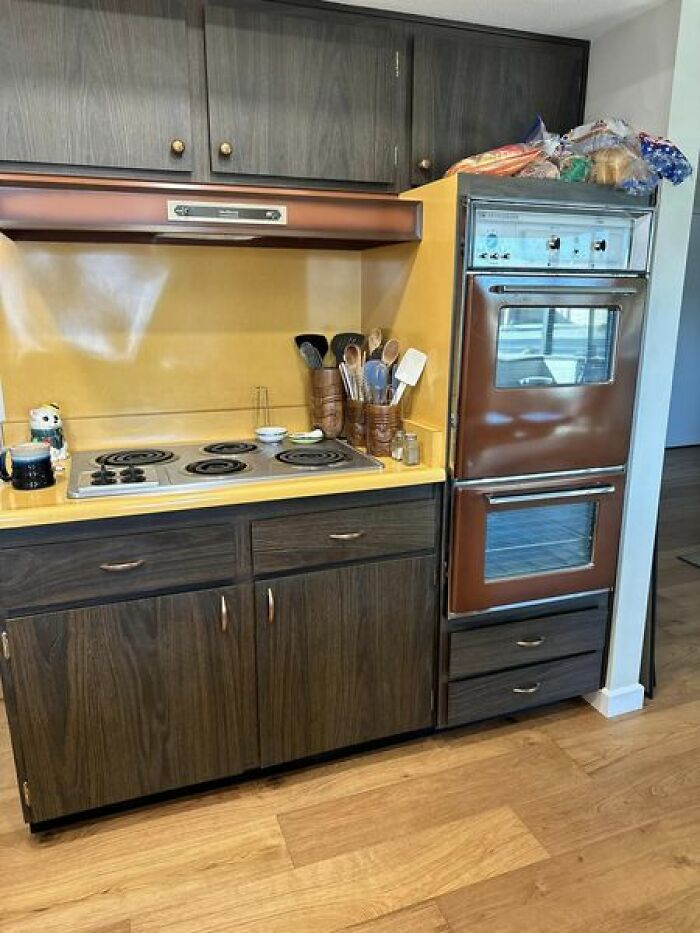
x,y
506,160
664,158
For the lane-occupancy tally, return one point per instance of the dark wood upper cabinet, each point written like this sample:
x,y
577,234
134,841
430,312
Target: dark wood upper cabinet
x,y
303,94
344,656
95,83
473,91
124,700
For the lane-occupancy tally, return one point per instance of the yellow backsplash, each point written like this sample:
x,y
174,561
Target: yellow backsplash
x,y
164,341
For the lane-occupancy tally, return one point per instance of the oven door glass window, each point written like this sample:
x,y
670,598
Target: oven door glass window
x,y
555,346
540,539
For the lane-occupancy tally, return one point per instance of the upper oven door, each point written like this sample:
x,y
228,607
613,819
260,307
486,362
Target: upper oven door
x,y
548,373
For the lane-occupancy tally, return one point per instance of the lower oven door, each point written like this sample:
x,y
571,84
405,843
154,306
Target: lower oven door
x,y
516,542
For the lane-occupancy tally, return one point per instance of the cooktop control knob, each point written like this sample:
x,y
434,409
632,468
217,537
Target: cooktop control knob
x,y
554,242
600,246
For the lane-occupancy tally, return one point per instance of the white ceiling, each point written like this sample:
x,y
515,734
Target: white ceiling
x,y
584,19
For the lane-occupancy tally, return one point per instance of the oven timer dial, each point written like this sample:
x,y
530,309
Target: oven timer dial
x,y
554,242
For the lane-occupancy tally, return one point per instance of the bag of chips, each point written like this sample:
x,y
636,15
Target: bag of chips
x,y
506,160
665,158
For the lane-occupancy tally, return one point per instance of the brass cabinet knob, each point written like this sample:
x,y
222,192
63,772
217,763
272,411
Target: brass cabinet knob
x,y
177,147
225,149
425,165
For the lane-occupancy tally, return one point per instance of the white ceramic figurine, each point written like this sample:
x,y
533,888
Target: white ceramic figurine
x,y
46,427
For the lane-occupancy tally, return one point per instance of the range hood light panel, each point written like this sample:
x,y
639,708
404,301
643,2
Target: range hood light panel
x,y
227,212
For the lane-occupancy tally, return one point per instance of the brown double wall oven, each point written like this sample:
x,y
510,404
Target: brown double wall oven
x,y
544,388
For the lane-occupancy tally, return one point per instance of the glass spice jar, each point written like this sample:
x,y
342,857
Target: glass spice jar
x,y
397,445
411,450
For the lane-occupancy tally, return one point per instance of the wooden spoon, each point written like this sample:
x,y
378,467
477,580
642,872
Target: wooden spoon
x,y
390,353
374,341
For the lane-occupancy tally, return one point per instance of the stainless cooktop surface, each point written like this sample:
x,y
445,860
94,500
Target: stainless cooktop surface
x,y
178,467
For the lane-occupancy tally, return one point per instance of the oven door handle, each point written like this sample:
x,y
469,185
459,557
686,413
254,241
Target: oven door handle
x,y
517,498
563,290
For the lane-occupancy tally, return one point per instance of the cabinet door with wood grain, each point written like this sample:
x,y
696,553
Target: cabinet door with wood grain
x,y
95,83
345,656
118,701
302,94
474,90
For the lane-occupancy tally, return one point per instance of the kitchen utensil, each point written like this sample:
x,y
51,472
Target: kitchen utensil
x,y
262,406
327,400
374,341
377,379
408,372
341,341
311,356
306,437
353,362
347,384
317,341
271,435
390,352
31,466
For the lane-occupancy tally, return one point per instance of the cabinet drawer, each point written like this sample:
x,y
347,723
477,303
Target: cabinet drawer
x,y
512,691
342,535
122,566
517,643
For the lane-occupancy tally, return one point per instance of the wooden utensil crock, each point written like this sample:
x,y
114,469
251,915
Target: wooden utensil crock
x,y
327,400
383,422
355,423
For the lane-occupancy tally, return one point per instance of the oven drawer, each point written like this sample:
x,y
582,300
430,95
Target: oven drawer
x,y
303,541
515,690
511,644
122,566
525,541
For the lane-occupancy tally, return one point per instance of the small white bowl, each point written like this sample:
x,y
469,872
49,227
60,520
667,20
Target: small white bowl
x,y
271,435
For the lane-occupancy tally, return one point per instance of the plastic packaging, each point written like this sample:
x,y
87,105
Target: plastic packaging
x,y
506,160
665,158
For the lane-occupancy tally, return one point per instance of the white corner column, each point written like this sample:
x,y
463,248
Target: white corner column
x,y
622,692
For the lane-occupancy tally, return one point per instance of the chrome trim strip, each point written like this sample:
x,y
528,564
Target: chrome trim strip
x,y
535,477
454,616
588,493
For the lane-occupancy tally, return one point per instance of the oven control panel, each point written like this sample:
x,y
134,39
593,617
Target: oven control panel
x,y
510,237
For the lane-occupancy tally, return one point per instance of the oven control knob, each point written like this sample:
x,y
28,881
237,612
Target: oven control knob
x,y
600,246
506,255
554,242
495,256
483,255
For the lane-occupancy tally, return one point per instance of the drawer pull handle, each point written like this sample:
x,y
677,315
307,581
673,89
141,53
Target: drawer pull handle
x,y
122,568
348,536
530,642
531,688
270,606
224,615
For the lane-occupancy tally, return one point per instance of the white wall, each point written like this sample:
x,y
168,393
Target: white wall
x,y
684,419
630,72
619,63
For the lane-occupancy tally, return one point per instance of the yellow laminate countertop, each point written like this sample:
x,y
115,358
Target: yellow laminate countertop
x,y
52,506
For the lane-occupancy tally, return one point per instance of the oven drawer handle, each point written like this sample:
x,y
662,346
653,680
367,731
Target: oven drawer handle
x,y
562,290
536,381
529,689
550,496
531,642
347,536
123,568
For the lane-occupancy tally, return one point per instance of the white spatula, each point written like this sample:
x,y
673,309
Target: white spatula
x,y
408,372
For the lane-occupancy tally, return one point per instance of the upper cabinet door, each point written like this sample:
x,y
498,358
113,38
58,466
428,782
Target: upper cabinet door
x,y
95,83
295,93
474,91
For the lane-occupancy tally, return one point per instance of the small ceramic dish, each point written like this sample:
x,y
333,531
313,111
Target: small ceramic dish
x,y
271,435
306,437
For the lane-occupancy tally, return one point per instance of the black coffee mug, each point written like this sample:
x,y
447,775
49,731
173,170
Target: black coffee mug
x,y
31,466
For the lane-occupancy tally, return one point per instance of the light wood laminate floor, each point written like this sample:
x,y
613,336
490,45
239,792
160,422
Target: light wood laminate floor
x,y
561,822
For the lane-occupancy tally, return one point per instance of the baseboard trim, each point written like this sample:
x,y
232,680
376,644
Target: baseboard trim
x,y
611,703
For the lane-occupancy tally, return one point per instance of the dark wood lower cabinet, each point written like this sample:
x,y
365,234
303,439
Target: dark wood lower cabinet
x,y
344,656
120,701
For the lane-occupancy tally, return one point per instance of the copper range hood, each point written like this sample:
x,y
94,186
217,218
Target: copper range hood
x,y
66,208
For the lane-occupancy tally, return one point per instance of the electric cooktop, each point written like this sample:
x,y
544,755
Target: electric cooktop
x,y
178,467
